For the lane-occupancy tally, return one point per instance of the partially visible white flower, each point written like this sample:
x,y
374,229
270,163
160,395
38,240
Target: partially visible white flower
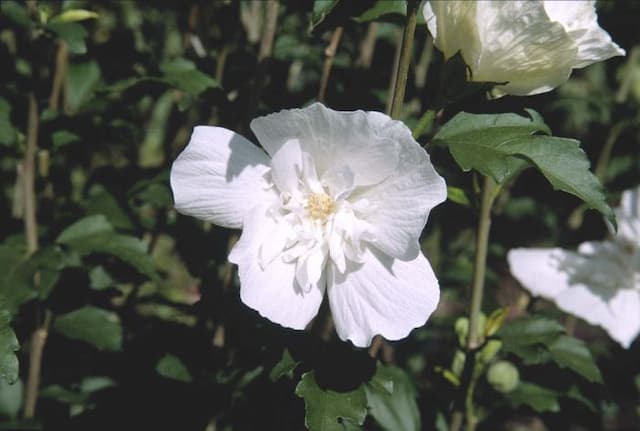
x,y
338,203
532,45
599,283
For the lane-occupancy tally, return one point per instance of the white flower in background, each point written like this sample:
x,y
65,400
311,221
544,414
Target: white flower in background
x,y
337,203
599,283
532,45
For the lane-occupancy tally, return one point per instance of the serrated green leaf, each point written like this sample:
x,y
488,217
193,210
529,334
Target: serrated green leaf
x,y
325,409
7,132
500,145
397,410
74,15
569,352
72,33
93,325
538,398
284,367
172,367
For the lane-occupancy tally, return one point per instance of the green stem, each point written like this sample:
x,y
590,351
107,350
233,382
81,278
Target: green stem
x,y
489,193
405,59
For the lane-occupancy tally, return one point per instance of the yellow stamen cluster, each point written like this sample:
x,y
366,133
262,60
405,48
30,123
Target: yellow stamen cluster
x,y
320,206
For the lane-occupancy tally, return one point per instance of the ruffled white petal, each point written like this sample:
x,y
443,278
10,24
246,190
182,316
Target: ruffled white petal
x,y
333,139
452,26
519,45
553,274
382,296
286,166
396,210
218,177
581,23
628,217
272,290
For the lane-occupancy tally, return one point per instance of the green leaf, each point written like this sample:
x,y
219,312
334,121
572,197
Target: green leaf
x,y
93,325
94,234
61,138
74,15
538,398
397,410
529,330
500,145
457,195
326,409
16,12
382,8
7,132
72,33
82,80
321,8
183,74
569,352
284,367
63,395
100,201
171,367
11,396
8,346
99,279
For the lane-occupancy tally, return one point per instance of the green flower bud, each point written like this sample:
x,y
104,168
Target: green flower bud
x,y
503,376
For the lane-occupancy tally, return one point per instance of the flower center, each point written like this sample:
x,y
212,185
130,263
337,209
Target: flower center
x,y
320,206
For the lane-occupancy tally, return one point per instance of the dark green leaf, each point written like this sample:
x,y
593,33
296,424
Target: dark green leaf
x,y
382,8
321,8
499,145
326,409
572,353
16,12
100,279
96,326
284,367
7,132
538,398
529,330
63,395
72,33
100,201
85,228
171,367
61,138
82,80
8,346
397,410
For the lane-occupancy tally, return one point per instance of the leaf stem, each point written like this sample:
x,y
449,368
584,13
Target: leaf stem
x,y
28,177
329,54
405,59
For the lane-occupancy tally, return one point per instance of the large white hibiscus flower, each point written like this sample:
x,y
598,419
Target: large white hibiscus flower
x,y
599,283
532,45
337,203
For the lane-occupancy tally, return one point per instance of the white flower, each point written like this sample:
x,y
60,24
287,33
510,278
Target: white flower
x,y
337,203
532,45
599,283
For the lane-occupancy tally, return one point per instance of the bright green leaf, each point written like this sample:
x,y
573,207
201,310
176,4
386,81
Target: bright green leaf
x,y
74,15
397,410
457,195
569,352
326,409
171,367
96,326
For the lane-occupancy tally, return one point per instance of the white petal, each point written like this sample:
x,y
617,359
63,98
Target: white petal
x,y
399,206
218,177
382,296
581,23
286,166
272,291
520,45
453,27
552,274
333,139
628,217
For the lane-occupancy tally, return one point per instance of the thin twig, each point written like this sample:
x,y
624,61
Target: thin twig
x,y
405,59
264,54
394,72
28,177
368,46
62,56
329,54
38,341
